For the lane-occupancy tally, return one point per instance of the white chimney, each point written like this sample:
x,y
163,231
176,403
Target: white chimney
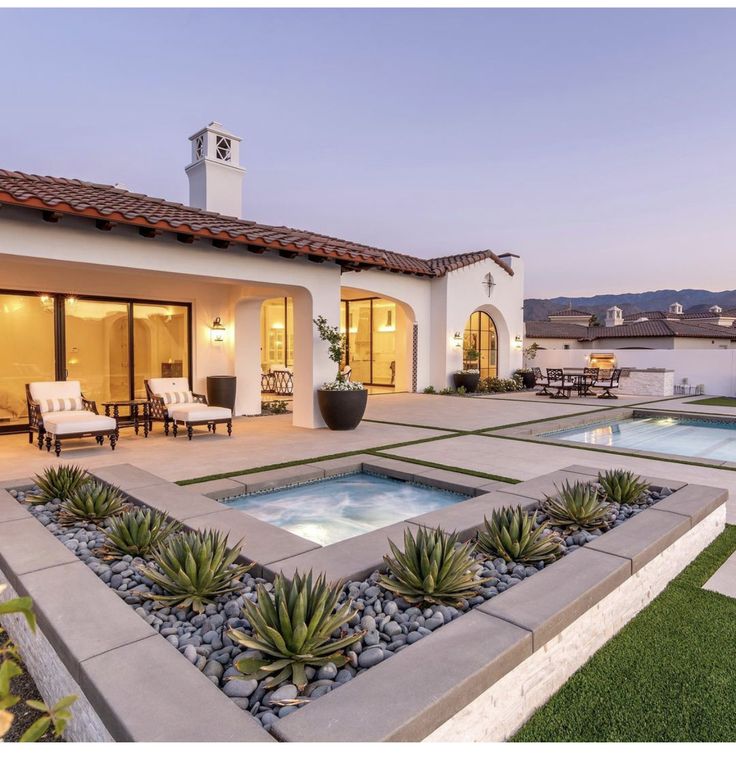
x,y
614,317
676,308
715,309
215,174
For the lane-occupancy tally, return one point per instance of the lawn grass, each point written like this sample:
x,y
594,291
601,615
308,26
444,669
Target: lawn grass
x,y
721,400
667,676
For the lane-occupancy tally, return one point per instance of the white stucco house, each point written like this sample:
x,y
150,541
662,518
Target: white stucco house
x,y
111,287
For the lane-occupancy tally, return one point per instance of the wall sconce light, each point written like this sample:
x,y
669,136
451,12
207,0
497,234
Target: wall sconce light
x,y
518,342
217,331
457,340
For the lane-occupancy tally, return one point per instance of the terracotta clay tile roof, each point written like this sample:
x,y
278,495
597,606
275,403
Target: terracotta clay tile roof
x,y
105,202
571,312
646,315
555,329
653,328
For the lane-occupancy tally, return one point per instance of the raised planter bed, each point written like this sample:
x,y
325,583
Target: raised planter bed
x,y
407,695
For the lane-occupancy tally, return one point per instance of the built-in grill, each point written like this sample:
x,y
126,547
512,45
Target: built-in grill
x,y
602,360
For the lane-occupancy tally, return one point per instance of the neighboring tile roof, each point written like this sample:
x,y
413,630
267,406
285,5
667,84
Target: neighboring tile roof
x,y
646,315
108,203
655,315
556,329
571,312
653,328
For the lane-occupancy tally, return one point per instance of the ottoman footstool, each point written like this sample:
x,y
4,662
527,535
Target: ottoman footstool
x,y
198,414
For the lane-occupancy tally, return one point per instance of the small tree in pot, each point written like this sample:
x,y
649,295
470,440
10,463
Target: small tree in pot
x,y
526,374
469,376
341,402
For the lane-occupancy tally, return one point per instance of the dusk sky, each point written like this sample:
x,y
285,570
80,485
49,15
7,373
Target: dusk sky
x,y
599,145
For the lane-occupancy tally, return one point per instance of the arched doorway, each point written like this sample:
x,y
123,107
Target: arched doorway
x,y
480,345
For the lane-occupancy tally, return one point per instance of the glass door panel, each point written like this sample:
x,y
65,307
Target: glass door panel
x,y
26,351
160,341
97,348
384,342
359,339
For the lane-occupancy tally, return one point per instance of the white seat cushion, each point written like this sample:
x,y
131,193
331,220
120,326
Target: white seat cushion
x,y
57,396
184,406
201,413
71,422
162,385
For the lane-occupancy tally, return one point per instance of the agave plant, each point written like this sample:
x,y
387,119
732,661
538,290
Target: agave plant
x,y
576,507
58,482
622,486
513,535
194,568
294,629
432,569
92,502
137,532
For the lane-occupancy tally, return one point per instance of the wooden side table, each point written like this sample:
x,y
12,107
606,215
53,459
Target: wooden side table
x,y
140,414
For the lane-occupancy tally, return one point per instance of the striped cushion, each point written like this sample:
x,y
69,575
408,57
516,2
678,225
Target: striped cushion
x,y
61,404
171,399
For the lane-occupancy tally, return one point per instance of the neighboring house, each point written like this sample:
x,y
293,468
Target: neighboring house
x,y
111,287
673,329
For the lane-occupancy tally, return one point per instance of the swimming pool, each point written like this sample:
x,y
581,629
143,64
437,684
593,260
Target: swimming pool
x,y
330,510
707,439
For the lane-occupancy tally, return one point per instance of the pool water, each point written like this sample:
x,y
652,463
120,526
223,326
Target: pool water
x,y
682,437
327,511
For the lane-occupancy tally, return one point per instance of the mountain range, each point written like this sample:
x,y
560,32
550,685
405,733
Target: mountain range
x,y
538,309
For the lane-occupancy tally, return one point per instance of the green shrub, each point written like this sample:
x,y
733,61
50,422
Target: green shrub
x,y
429,390
194,568
92,502
274,407
294,629
432,569
58,482
500,385
137,532
513,535
448,391
622,486
577,507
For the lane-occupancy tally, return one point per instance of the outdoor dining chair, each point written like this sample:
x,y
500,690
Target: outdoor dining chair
x,y
540,381
559,381
608,384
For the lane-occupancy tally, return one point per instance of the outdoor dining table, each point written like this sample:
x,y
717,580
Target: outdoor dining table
x,y
583,382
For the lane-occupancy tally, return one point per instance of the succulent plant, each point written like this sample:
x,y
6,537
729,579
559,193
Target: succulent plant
x,y
58,482
622,486
92,502
294,629
514,535
576,507
137,532
432,569
194,568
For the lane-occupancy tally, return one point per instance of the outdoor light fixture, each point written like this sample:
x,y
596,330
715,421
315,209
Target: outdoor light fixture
x,y
217,331
457,340
518,342
389,325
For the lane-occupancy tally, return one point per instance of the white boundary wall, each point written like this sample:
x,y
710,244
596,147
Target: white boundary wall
x,y
714,368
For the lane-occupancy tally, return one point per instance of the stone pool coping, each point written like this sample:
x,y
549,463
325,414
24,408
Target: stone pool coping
x,y
406,697
274,549
532,432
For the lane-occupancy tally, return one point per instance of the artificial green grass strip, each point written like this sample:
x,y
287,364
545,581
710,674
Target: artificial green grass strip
x,y
447,468
667,676
720,401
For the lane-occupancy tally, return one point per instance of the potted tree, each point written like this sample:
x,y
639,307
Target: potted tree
x,y
341,402
469,376
526,374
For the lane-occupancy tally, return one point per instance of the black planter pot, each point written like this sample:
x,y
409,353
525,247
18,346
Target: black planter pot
x,y
528,379
221,391
342,409
468,381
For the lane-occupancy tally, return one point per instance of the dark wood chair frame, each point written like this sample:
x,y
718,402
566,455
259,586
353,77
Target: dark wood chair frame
x,y
211,426
565,388
609,383
541,381
35,425
158,411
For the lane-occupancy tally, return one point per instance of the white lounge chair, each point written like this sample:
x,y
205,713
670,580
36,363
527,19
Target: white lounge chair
x,y
58,411
173,403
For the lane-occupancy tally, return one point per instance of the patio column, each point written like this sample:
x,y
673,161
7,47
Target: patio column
x,y
312,366
248,356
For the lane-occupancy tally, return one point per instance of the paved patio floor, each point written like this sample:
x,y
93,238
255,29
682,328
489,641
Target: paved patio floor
x,y
404,419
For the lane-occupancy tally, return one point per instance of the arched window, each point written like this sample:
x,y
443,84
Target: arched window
x,y
480,345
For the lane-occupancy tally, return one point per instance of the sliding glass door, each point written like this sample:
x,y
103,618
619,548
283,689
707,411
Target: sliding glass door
x,y
27,351
98,347
109,345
